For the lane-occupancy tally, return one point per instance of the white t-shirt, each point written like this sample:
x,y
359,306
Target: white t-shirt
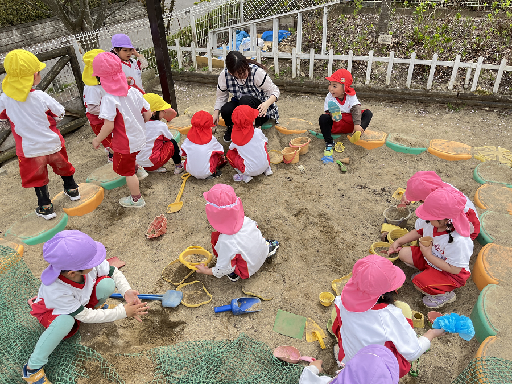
x,y
133,69
456,253
350,101
93,95
359,329
248,242
254,154
129,130
198,157
154,129
33,123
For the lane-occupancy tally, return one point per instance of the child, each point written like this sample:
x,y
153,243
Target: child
x,y
74,287
384,369
122,47
33,116
444,265
422,183
366,314
238,244
248,151
343,113
93,92
160,145
250,85
204,153
124,111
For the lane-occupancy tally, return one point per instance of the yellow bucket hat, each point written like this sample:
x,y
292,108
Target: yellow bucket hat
x,y
87,76
156,102
20,67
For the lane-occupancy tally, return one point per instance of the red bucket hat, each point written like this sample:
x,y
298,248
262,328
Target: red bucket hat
x,y
422,184
109,69
344,77
201,131
372,276
446,203
243,124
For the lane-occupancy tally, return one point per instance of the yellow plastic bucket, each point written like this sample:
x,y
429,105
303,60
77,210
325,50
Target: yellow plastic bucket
x,y
290,155
326,298
195,250
275,157
302,143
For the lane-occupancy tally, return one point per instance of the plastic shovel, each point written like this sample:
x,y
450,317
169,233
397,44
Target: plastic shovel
x,y
291,354
170,299
240,306
176,206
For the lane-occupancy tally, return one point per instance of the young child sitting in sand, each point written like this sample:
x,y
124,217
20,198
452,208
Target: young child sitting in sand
x,y
160,145
205,155
444,264
74,287
366,314
343,113
238,244
248,150
422,183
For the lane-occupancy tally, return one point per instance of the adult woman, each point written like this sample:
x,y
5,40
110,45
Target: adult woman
x,y
250,85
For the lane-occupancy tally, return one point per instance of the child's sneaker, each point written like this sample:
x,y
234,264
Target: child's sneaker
x,y
160,170
178,168
73,194
329,148
273,245
128,202
240,177
46,212
141,173
110,158
437,301
268,171
35,376
227,135
233,276
335,110
218,173
355,137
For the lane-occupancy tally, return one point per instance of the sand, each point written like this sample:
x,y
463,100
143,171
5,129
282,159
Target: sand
x,y
325,220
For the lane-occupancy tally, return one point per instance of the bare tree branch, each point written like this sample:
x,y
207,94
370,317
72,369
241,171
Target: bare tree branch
x,y
99,23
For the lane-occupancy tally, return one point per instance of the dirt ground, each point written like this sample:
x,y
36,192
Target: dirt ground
x,y
325,220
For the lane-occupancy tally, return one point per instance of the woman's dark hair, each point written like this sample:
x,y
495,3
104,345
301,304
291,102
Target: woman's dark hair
x,y
388,298
237,63
155,116
449,229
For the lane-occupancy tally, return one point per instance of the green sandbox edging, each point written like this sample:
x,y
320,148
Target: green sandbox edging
x,y
404,149
481,180
116,183
45,236
483,237
481,323
320,136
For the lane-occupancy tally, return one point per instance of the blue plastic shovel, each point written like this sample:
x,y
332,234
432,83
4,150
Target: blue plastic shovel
x,y
240,306
170,299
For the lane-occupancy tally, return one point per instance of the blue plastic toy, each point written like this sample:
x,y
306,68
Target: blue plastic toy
x,y
240,306
455,323
170,299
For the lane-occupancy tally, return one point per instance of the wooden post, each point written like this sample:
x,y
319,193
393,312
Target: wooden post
x,y
369,67
275,43
324,32
468,74
163,61
456,66
178,53
411,69
390,67
299,39
329,65
311,62
254,37
194,54
77,73
349,62
224,53
231,47
241,11
209,52
193,28
294,63
500,74
477,73
432,71
258,54
54,72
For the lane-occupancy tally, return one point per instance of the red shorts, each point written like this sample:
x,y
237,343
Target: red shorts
x,y
434,282
236,160
164,153
238,262
46,316
34,170
124,163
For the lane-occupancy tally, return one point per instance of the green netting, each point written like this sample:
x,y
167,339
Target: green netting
x,y
487,370
241,361
19,331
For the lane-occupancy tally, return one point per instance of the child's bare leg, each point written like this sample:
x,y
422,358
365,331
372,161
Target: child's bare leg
x,y
405,255
133,185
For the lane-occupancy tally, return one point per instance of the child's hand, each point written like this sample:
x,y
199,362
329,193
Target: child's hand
x,y
433,333
96,143
136,310
132,296
395,247
425,249
404,200
203,269
358,128
215,117
318,364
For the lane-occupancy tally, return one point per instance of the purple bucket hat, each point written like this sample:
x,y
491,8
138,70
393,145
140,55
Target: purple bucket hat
x,y
384,367
70,250
121,41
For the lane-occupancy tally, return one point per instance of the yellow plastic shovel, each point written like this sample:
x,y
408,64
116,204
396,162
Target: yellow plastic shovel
x,y
176,206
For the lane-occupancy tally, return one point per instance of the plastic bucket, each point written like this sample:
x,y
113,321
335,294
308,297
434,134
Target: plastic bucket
x,y
275,157
326,298
290,155
396,216
302,143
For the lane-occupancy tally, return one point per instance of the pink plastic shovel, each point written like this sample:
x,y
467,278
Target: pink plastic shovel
x,y
290,354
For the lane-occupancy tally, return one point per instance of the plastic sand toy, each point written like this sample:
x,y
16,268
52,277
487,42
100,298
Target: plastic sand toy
x,y
177,205
195,255
291,354
241,305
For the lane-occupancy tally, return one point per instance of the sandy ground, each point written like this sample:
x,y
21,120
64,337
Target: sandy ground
x,y
325,220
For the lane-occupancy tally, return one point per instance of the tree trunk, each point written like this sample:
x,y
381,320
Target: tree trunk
x,y
383,24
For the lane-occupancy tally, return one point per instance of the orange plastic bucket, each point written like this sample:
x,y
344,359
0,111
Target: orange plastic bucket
x,y
290,155
302,143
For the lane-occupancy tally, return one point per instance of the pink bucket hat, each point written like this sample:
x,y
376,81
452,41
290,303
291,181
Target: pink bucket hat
x,y
70,250
224,209
372,276
421,184
109,69
344,77
446,203
121,41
